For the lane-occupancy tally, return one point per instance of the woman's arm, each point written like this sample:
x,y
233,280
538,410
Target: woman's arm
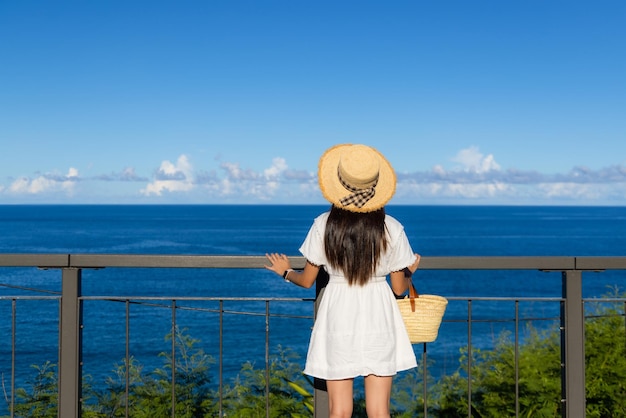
x,y
280,265
399,282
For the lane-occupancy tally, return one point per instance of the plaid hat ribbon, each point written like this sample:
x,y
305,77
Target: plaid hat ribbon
x,y
359,196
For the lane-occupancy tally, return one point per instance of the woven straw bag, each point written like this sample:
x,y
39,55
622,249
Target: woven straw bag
x,y
422,315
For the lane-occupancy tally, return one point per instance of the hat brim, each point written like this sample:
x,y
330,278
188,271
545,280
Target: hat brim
x,y
334,191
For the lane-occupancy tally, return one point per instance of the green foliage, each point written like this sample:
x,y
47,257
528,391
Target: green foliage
x,y
289,390
150,394
605,360
40,398
493,381
407,395
539,382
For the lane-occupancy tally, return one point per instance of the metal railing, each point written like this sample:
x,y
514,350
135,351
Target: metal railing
x,y
71,302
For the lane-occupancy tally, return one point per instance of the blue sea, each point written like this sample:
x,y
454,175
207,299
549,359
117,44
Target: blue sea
x,y
255,230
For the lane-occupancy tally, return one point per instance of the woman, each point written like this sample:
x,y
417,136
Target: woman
x,y
358,329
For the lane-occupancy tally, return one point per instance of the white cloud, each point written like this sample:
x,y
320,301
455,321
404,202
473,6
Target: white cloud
x,y
480,178
279,166
474,191
171,178
251,184
477,191
46,183
21,185
572,190
475,177
72,173
439,170
234,172
471,159
127,174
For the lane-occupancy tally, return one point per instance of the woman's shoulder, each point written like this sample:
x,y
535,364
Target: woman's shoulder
x,y
393,225
320,220
391,221
322,217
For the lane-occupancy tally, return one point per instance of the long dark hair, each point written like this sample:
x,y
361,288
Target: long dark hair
x,y
353,242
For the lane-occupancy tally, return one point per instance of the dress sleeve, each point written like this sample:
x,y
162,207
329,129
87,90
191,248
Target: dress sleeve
x,y
401,254
313,246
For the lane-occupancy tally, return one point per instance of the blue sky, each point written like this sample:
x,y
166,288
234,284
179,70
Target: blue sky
x,y
473,102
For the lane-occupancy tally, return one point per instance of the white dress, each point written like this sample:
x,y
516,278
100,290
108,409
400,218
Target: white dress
x,y
358,330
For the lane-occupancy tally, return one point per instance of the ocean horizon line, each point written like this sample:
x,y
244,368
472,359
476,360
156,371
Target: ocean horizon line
x,y
391,205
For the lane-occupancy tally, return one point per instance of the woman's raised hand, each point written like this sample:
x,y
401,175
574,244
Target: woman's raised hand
x,y
279,263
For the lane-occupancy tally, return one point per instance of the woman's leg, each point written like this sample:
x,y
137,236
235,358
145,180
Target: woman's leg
x,y
340,397
377,395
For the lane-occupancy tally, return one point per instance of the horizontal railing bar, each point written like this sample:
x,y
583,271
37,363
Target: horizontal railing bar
x,y
604,300
262,299
174,261
498,263
196,298
152,303
25,297
601,263
255,262
502,320
259,261
34,260
506,299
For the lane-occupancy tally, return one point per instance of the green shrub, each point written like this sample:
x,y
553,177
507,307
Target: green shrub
x,y
289,390
493,381
605,360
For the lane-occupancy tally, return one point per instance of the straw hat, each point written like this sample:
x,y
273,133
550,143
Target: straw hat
x,y
356,177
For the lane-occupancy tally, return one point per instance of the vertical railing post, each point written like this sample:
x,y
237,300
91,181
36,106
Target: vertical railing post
x,y
70,345
572,346
320,393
